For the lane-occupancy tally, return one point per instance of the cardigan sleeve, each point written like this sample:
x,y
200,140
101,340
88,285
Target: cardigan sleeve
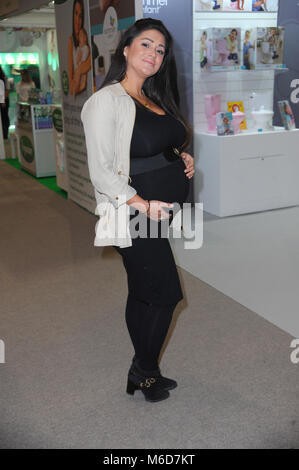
x,y
99,122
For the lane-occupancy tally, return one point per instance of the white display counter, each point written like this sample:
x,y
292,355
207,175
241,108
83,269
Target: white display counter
x,y
249,172
35,139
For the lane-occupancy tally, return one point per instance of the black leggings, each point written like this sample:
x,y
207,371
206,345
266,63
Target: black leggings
x,y
148,325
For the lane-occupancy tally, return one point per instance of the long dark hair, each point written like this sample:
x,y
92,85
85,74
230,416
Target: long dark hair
x,y
76,42
162,87
2,75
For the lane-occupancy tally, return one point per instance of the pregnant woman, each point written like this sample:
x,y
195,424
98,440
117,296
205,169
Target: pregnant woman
x,y
135,135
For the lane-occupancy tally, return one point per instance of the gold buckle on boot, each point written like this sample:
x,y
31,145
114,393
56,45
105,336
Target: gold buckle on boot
x,y
148,382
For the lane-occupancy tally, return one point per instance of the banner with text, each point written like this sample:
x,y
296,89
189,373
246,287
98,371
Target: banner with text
x,y
287,83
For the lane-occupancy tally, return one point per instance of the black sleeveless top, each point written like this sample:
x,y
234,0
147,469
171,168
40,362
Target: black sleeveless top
x,y
152,175
153,132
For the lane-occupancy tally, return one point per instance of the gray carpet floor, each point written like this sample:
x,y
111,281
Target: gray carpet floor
x,y
67,350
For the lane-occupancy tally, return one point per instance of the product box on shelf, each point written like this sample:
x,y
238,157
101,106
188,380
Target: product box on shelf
x,y
248,49
208,5
269,47
205,48
237,5
224,124
237,107
287,115
226,47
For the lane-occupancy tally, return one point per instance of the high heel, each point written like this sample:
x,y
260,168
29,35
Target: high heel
x,y
131,387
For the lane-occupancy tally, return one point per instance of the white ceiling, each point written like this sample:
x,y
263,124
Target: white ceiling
x,y
43,17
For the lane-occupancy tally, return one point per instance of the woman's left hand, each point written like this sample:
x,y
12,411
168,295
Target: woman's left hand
x,y
189,164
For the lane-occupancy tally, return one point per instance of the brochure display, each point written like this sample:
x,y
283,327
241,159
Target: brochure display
x,y
35,139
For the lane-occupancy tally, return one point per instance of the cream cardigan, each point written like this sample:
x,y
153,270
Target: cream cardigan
x,y
108,118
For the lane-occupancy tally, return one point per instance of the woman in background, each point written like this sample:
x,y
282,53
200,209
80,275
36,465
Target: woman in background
x,y
5,105
24,86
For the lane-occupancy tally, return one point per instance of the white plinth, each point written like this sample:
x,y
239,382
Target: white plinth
x,y
246,173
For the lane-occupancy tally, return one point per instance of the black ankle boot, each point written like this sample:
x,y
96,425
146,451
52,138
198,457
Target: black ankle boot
x,y
139,379
166,383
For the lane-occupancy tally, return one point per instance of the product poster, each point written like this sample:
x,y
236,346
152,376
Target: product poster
x,y
237,5
208,5
287,82
73,37
109,19
269,47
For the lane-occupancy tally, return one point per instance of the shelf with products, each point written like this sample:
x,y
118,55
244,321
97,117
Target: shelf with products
x,y
254,167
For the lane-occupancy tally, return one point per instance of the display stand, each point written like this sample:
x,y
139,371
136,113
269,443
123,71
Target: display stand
x,y
246,172
35,139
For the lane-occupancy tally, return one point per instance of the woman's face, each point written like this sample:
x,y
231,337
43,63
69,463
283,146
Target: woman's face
x,y
77,19
146,52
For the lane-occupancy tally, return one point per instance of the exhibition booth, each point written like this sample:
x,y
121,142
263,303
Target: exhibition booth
x,y
230,56
30,61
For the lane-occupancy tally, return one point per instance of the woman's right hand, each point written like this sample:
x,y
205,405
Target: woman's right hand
x,y
156,211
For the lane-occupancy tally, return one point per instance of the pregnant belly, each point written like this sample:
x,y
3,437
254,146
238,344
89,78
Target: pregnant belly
x,y
169,184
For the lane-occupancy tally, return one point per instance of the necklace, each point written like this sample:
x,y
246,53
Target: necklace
x,y
138,98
